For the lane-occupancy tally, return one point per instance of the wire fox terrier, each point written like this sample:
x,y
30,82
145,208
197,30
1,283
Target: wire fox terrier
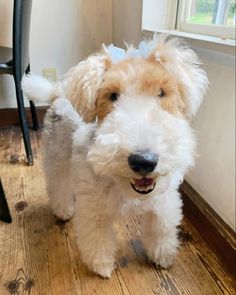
x,y
118,142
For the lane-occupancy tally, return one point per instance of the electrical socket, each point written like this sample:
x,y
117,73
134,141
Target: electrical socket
x,y
50,74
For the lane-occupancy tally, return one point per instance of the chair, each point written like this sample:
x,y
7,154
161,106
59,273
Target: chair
x,y
4,209
15,61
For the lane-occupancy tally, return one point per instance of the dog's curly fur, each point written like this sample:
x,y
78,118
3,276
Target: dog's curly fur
x,y
100,114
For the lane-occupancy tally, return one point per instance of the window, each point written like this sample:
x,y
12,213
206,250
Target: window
x,y
207,17
184,17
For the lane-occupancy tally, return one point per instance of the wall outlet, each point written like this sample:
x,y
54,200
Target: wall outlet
x,y
50,74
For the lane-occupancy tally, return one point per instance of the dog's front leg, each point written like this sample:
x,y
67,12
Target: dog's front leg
x,y
159,230
60,122
60,193
95,236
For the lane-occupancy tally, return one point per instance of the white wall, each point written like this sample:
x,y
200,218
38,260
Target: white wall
x,y
5,21
62,33
214,173
126,21
164,12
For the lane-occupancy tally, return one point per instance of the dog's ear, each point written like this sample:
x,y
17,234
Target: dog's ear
x,y
183,63
82,82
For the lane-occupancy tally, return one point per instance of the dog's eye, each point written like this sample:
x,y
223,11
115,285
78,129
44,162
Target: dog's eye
x,y
114,96
161,93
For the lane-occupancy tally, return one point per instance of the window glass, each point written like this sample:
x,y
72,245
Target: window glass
x,y
212,12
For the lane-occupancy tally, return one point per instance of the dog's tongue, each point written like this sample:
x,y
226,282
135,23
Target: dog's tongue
x,y
143,181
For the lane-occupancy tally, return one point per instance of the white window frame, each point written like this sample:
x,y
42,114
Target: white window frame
x,y
159,14
222,32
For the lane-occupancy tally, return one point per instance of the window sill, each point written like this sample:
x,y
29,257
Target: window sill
x,y
208,48
204,38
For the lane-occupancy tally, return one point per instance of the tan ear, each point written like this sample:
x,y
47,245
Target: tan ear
x,y
183,63
82,83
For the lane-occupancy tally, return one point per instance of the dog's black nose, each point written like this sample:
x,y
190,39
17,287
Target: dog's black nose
x,y
143,162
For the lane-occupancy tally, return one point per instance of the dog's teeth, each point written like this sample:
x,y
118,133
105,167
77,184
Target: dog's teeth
x,y
143,188
150,187
139,188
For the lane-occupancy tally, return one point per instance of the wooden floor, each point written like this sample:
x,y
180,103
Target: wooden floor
x,y
38,254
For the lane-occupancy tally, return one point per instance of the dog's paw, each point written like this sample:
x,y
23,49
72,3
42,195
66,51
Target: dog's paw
x,y
62,213
163,255
104,269
165,261
61,106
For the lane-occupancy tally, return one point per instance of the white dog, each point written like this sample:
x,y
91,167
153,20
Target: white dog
x,y
118,141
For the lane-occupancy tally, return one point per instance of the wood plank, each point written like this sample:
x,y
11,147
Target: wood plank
x,y
219,236
9,117
39,255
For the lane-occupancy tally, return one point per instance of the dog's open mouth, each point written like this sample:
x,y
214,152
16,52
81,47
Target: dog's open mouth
x,y
143,185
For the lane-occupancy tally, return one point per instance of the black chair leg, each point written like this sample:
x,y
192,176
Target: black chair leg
x,y
4,209
33,109
22,116
34,116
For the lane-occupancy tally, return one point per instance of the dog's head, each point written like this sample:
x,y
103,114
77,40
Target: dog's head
x,y
143,103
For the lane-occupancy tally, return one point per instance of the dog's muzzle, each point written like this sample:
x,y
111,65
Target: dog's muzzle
x,y
143,163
